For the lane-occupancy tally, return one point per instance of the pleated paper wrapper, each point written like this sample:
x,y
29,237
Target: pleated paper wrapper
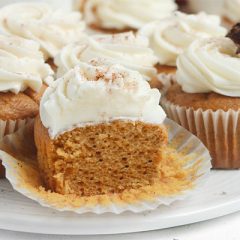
x,y
218,130
18,154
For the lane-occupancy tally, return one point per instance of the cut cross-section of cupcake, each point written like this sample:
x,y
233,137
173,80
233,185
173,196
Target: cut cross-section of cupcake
x,y
100,131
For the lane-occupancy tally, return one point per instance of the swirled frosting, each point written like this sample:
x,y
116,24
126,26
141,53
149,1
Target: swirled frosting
x,y
124,48
231,10
210,65
170,36
122,14
92,93
21,65
37,21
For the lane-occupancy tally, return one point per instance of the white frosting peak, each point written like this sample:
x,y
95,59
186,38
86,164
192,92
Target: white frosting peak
x,y
37,21
170,36
94,93
21,65
210,65
122,14
124,48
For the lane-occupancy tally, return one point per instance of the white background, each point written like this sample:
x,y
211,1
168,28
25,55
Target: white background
x,y
224,228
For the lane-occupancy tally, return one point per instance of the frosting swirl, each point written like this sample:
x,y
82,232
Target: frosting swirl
x,y
210,65
231,10
170,36
122,14
92,93
124,48
21,65
37,21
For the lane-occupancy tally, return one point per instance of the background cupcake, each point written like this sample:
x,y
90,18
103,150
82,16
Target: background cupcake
x,y
206,99
123,15
22,69
170,36
52,29
124,48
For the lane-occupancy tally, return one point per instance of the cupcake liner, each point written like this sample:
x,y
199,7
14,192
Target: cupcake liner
x,y
9,127
218,130
22,172
167,79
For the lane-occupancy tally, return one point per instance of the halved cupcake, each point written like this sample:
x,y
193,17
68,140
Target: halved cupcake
x,y
22,76
169,37
114,16
125,48
100,131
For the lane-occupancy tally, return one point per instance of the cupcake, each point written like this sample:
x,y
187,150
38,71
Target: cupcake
x,y
231,12
22,74
170,36
52,29
206,97
124,48
112,16
89,143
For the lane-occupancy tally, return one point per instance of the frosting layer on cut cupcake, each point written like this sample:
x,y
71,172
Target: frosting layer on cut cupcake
x,y
231,10
124,48
170,36
37,21
21,65
210,65
93,93
122,14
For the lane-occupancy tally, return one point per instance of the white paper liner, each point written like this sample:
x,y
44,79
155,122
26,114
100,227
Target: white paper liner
x,y
9,127
188,142
218,130
167,79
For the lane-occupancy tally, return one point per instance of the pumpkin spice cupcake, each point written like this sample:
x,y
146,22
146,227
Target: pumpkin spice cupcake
x,y
79,151
22,73
114,16
170,36
52,29
124,48
206,98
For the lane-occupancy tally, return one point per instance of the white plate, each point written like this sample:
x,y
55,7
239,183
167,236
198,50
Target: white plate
x,y
219,196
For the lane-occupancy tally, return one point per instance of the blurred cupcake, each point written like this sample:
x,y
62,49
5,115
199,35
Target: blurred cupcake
x,y
206,98
208,6
114,16
22,74
231,12
124,48
170,36
52,29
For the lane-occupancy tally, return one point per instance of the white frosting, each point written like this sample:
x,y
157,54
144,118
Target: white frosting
x,y
210,65
125,49
169,37
231,10
94,93
37,21
21,65
122,14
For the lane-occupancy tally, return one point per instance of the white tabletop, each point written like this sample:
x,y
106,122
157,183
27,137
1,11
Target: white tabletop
x,y
223,228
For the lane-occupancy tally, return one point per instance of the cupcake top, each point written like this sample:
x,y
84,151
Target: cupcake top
x,y
231,10
96,92
170,36
210,65
126,14
21,65
37,21
124,48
